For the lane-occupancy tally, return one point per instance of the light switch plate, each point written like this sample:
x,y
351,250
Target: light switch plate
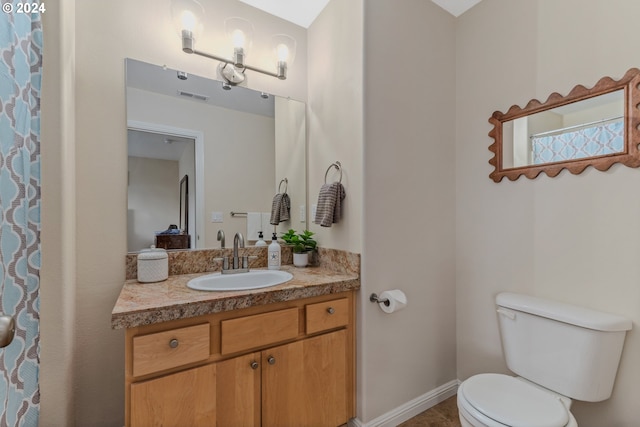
x,y
216,216
303,213
314,208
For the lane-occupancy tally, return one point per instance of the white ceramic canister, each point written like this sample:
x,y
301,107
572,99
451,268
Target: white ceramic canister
x,y
153,265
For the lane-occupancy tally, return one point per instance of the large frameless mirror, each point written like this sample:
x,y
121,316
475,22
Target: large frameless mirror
x,y
588,127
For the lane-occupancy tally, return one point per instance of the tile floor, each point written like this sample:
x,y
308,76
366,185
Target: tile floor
x,y
444,414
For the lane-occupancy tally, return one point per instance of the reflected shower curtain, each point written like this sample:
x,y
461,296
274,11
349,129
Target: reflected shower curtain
x,y
20,78
591,141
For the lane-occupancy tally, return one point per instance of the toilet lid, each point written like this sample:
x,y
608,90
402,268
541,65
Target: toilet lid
x,y
513,402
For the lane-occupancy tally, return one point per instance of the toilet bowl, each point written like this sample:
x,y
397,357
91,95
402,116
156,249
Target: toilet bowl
x,y
496,400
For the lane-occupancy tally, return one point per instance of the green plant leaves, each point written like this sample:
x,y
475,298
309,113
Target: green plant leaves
x,y
301,242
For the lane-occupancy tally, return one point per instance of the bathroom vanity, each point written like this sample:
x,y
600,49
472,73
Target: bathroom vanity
x,y
281,356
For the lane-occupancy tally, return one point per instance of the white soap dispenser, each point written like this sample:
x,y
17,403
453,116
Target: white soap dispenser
x,y
274,254
261,241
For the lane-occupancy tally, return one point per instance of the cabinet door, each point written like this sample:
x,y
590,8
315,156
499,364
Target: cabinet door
x,y
304,383
176,400
238,391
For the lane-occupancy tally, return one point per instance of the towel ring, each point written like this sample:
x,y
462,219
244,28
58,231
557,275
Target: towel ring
x,y
286,185
338,167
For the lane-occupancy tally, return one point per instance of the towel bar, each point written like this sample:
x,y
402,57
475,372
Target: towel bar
x,y
238,213
286,185
338,167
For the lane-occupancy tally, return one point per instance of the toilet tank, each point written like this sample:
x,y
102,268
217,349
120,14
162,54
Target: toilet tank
x,y
571,350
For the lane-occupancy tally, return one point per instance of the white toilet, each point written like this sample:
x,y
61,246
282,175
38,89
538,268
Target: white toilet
x,y
559,351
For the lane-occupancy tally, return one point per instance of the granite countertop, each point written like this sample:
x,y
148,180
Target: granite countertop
x,y
147,303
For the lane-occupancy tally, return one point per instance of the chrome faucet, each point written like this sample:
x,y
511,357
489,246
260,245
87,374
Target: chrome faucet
x,y
238,240
240,264
221,238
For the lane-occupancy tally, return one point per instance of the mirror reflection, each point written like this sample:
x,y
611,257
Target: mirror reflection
x,y
234,146
588,128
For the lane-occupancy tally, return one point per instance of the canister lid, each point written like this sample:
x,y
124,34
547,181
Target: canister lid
x,y
152,253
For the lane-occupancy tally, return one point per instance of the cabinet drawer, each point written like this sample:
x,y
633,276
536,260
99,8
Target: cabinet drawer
x,y
168,349
261,329
327,315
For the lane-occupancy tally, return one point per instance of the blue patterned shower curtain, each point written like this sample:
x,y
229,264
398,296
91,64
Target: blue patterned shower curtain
x,y
591,141
20,78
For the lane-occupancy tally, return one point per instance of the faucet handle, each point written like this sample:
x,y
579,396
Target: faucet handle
x,y
245,260
225,262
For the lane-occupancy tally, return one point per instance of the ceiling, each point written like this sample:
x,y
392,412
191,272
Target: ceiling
x,y
156,145
300,12
456,7
304,12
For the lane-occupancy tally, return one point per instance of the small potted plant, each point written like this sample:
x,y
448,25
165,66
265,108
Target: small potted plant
x,y
302,243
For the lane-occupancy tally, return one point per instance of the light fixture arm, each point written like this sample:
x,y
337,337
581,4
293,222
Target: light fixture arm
x,y
188,47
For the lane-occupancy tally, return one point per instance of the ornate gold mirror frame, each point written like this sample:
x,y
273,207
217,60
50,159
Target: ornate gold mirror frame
x,y
628,155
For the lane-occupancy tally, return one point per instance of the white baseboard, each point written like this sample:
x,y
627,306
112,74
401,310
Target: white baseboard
x,y
412,408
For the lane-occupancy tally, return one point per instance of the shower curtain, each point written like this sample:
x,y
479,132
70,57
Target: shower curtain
x,y
592,141
20,78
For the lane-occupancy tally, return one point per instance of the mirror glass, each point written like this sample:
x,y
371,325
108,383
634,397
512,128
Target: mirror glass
x,y
237,149
588,127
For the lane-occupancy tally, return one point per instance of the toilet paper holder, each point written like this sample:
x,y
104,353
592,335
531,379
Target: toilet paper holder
x,y
374,298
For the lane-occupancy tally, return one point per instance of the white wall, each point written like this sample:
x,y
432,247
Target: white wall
x,y
83,362
570,238
601,112
409,211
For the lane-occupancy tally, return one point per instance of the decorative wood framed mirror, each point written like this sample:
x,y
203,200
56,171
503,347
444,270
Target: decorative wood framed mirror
x,y
588,127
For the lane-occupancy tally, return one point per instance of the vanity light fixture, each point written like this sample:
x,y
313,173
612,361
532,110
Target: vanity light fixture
x,y
188,17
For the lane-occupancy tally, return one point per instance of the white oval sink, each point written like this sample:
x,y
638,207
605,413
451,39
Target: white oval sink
x,y
255,279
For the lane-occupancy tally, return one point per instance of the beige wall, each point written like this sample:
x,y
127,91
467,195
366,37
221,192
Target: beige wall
x,y
291,160
153,199
58,233
334,116
409,209
570,238
82,358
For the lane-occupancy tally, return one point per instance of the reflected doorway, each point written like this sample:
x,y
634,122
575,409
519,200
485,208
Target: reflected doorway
x,y
157,163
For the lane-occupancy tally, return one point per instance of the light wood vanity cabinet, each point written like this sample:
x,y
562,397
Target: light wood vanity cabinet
x,y
276,365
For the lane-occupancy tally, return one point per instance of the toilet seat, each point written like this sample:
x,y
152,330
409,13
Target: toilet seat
x,y
500,400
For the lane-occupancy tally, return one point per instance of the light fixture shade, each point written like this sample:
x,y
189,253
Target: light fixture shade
x,y
240,33
188,15
284,48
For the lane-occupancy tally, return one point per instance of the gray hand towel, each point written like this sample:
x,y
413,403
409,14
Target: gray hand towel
x,y
280,209
329,209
